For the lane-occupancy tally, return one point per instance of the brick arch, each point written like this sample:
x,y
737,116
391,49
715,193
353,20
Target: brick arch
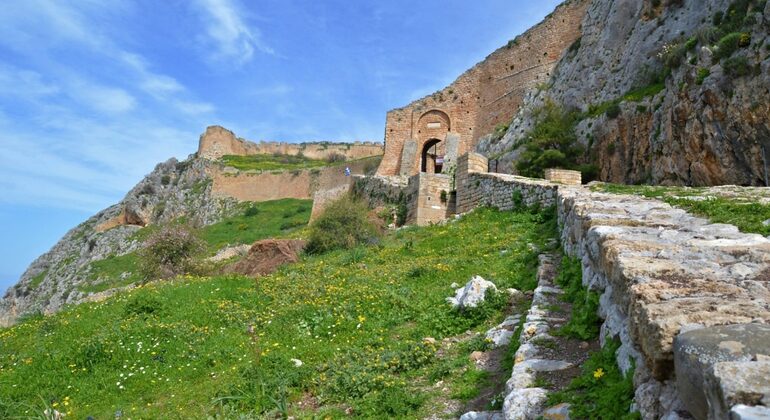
x,y
428,121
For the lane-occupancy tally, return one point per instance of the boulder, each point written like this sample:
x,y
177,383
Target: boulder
x,y
482,415
697,351
524,404
267,255
744,412
557,412
472,294
732,383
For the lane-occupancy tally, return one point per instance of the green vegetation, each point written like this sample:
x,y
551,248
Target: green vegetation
x,y
584,322
737,67
746,214
268,219
271,162
344,224
703,73
35,282
552,143
601,391
730,43
324,332
109,273
170,251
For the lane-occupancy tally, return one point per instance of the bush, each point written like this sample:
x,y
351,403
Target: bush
x,y
251,211
336,157
737,66
552,142
730,43
344,224
613,111
702,75
170,251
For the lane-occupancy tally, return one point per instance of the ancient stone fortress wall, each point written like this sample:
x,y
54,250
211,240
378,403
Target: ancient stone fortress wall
x,y
274,185
689,300
429,200
450,122
218,141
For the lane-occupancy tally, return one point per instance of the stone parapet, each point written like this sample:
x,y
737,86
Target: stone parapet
x,y
563,176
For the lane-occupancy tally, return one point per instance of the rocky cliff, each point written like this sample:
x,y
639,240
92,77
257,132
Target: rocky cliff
x,y
173,189
664,92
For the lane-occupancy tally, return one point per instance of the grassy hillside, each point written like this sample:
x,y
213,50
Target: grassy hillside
x,y
334,333
255,221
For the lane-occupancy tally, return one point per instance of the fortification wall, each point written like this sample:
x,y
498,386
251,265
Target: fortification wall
x,y
264,186
488,94
689,300
425,204
218,141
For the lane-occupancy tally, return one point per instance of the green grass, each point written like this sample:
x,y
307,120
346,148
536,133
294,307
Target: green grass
x,y
356,319
601,391
271,162
35,282
106,274
255,221
268,219
747,216
584,322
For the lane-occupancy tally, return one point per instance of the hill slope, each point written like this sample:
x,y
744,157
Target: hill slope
x,y
355,320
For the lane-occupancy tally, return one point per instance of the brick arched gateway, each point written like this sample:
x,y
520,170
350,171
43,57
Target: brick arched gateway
x,y
432,157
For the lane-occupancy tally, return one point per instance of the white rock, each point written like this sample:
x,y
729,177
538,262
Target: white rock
x,y
482,415
472,294
744,412
499,337
524,404
297,362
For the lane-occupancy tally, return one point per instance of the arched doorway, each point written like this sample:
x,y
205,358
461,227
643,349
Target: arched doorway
x,y
432,158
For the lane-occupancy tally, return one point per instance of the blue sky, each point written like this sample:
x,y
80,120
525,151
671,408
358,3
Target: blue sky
x,y
94,93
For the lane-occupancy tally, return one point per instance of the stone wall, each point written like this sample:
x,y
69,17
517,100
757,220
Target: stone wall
x,y
380,190
218,141
563,176
426,205
662,274
488,94
274,185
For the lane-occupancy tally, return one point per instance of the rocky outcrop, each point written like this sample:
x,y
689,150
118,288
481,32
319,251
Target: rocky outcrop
x,y
267,255
173,189
707,124
472,294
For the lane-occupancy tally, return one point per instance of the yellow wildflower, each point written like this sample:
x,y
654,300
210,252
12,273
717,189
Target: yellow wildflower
x,y
598,373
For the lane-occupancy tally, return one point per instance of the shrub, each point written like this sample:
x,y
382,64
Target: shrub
x,y
336,157
170,251
730,43
344,224
737,66
613,111
552,142
251,211
702,74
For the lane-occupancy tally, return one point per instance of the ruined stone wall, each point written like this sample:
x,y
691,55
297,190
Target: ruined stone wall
x,y
688,300
264,186
380,190
488,94
426,205
218,141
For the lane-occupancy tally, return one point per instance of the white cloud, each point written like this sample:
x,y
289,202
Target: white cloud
x,y
105,99
231,37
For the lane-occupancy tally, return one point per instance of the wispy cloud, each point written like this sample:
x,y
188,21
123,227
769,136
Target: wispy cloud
x,y
229,35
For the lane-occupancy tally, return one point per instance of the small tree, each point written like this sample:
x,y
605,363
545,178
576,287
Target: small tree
x,y
344,224
174,249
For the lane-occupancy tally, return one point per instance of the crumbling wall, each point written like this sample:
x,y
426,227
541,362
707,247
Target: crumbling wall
x,y
218,141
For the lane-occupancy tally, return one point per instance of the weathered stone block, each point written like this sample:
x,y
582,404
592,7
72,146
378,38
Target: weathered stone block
x,y
697,351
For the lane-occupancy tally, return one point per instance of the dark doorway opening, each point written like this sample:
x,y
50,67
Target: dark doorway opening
x,y
432,161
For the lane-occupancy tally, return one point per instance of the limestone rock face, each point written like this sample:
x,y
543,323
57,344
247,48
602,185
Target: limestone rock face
x,y
693,132
472,294
173,189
